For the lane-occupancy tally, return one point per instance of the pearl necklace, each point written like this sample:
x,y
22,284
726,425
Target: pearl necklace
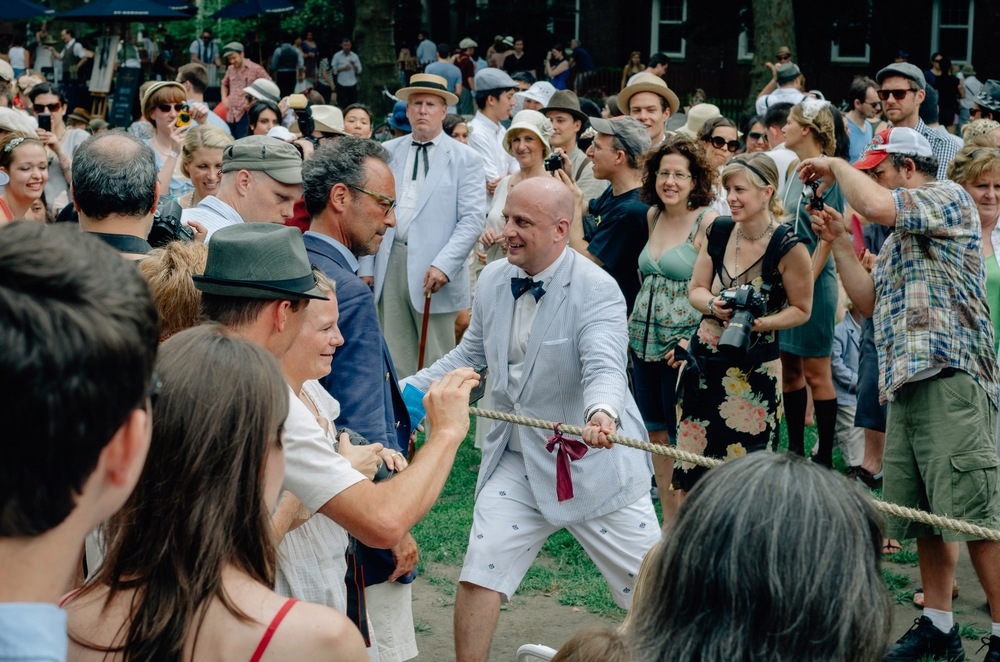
x,y
739,233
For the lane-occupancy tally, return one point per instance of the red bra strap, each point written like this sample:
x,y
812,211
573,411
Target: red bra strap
x,y
68,597
275,622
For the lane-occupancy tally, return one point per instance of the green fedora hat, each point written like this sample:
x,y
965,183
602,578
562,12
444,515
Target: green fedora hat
x,y
258,261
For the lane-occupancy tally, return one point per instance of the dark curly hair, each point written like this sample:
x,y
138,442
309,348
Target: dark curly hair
x,y
703,175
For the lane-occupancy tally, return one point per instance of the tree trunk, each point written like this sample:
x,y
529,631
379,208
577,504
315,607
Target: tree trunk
x,y
373,33
773,27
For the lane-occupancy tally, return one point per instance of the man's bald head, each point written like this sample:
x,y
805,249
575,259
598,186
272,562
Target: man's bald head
x,y
539,211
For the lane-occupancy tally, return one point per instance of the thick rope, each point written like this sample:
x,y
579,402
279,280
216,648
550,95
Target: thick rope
x,y
708,462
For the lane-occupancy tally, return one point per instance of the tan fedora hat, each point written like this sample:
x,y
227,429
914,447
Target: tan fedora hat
x,y
696,118
648,83
428,84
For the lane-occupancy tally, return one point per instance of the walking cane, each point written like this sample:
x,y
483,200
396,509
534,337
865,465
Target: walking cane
x,y
420,360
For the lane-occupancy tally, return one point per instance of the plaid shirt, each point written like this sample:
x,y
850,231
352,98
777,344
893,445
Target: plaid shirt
x,y
930,288
237,79
943,148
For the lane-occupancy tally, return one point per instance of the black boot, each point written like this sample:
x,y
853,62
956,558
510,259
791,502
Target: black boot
x,y
925,640
826,424
993,654
795,420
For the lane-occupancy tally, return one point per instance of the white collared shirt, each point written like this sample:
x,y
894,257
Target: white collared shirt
x,y
486,137
213,213
406,206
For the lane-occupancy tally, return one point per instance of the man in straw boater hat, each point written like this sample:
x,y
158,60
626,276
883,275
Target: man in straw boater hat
x,y
648,99
440,212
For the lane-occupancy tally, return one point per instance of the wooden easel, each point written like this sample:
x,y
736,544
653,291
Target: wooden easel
x,y
99,105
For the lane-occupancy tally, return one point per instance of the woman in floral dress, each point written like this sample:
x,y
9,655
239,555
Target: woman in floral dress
x,y
729,407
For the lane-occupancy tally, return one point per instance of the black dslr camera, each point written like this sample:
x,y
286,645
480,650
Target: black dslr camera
x,y
554,162
747,305
356,439
167,224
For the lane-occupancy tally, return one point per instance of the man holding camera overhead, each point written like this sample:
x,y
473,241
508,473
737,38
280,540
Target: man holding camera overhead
x,y
611,229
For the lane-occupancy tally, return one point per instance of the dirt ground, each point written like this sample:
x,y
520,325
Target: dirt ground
x,y
539,619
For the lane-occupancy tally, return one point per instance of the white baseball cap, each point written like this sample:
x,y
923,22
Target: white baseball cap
x,y
894,140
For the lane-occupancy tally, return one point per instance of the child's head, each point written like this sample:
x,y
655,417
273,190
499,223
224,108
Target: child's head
x,y
595,643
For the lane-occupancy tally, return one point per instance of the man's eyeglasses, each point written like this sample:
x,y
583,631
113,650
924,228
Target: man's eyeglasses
x,y
755,136
52,107
378,196
898,95
165,107
718,142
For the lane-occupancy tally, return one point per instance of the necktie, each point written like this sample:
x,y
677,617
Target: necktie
x,y
521,285
421,149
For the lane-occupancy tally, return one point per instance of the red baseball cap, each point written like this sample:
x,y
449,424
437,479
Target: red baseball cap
x,y
894,140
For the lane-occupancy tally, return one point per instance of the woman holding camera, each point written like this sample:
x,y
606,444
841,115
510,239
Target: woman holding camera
x,y
164,105
677,182
749,266
805,351
527,140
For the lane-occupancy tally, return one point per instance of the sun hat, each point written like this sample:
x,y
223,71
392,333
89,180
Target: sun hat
x,y
328,119
398,120
542,92
644,82
263,89
894,140
904,69
6,71
509,41
696,118
258,261
278,160
494,79
628,130
989,95
232,47
159,85
529,120
566,101
11,120
467,43
788,71
428,84
968,70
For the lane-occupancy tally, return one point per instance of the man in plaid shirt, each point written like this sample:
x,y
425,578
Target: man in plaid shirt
x,y
938,370
240,74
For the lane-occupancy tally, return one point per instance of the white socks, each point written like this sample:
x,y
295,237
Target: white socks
x,y
942,620
996,629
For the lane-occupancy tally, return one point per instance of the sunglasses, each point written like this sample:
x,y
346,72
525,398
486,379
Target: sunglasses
x,y
782,57
718,142
379,197
754,136
51,107
898,95
875,104
165,107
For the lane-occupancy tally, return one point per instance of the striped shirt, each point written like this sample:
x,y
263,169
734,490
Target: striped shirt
x,y
930,287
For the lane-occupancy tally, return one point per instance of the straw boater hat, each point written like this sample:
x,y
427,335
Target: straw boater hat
x,y
428,84
648,83
696,118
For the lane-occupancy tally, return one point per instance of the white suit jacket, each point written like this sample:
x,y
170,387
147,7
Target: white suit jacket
x,y
446,224
575,358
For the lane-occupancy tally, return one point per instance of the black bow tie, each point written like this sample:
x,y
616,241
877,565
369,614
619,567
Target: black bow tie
x,y
521,285
421,149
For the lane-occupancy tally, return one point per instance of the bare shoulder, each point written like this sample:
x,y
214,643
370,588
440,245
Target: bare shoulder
x,y
316,632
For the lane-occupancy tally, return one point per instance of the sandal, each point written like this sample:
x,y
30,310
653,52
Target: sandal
x,y
891,547
918,594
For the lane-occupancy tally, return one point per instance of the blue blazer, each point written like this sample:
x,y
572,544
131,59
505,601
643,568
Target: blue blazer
x,y
378,415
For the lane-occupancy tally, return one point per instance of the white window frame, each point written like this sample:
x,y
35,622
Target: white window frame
x,y
654,38
742,54
936,30
855,59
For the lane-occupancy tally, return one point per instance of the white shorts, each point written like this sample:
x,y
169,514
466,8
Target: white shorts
x,y
391,617
508,531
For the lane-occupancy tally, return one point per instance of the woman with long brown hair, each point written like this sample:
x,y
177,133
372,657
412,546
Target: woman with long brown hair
x,y
190,559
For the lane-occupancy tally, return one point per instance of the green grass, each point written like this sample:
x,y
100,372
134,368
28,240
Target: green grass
x,y
972,633
562,568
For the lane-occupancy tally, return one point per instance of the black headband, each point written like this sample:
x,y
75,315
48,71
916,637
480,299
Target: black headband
x,y
754,171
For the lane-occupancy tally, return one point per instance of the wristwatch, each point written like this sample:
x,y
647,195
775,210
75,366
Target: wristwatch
x,y
591,412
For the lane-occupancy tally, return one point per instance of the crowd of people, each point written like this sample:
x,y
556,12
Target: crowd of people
x,y
226,465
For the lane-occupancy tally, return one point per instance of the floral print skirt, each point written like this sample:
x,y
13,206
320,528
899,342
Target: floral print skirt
x,y
725,410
